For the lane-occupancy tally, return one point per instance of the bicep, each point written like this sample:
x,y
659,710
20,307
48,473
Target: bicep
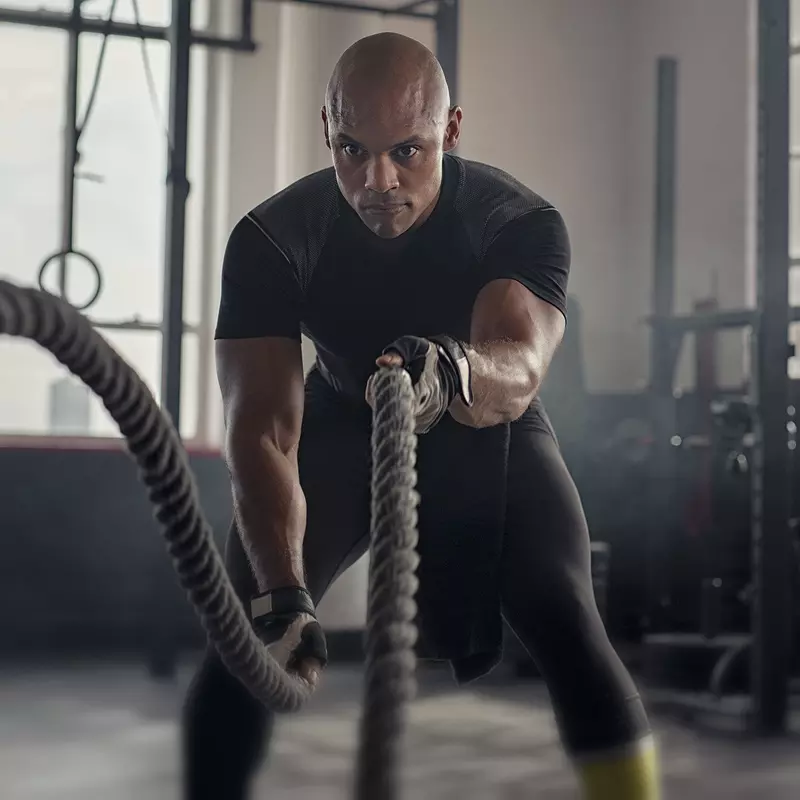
x,y
258,351
506,310
524,296
262,385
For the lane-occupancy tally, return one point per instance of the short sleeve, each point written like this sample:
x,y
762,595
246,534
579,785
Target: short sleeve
x,y
260,295
533,249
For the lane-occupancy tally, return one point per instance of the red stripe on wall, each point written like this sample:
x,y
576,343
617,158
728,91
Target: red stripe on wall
x,y
90,443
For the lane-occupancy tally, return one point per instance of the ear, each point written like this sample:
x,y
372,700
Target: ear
x,y
453,130
325,128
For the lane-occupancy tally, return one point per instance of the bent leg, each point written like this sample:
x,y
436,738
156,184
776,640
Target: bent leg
x,y
549,602
225,729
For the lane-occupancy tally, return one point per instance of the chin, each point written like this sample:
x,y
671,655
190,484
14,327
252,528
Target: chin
x,y
388,229
387,232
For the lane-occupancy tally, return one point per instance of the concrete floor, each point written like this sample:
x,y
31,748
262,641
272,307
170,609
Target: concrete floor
x,y
109,733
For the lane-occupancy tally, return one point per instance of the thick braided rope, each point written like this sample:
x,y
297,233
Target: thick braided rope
x,y
157,449
163,467
391,609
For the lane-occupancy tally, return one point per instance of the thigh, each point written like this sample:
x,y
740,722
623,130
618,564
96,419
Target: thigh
x,y
334,463
547,539
548,599
547,593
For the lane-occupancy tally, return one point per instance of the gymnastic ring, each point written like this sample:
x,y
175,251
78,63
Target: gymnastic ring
x,y
94,266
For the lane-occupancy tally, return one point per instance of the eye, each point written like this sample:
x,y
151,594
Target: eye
x,y
350,149
406,151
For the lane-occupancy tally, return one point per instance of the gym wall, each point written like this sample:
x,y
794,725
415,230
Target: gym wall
x,y
577,123
561,94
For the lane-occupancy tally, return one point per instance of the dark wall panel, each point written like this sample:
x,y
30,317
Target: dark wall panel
x,y
83,564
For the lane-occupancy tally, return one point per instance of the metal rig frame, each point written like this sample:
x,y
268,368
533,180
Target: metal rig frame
x,y
772,555
181,37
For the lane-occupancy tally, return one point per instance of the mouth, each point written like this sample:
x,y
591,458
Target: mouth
x,y
384,210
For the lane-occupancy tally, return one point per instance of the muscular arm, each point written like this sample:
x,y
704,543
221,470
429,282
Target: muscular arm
x,y
262,389
514,335
517,318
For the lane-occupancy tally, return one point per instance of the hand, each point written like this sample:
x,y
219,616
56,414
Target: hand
x,y
302,649
436,375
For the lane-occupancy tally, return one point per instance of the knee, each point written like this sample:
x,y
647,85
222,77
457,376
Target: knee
x,y
224,730
604,723
554,613
594,697
215,696
208,682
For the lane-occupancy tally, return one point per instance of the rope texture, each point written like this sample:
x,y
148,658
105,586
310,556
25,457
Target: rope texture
x,y
163,466
390,681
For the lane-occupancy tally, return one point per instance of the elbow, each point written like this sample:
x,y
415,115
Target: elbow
x,y
238,451
531,374
516,403
500,407
534,375
517,406
473,417
253,431
516,409
250,450
535,379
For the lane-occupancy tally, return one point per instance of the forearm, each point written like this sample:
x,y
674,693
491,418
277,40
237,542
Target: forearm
x,y
270,511
506,376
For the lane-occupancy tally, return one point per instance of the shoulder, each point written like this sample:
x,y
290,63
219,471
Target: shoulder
x,y
489,200
306,197
297,219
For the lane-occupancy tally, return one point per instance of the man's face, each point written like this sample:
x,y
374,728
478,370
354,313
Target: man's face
x,y
388,161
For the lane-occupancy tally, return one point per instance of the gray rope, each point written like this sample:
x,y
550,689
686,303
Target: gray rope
x,y
391,610
156,447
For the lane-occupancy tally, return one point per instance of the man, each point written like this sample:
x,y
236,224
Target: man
x,y
405,255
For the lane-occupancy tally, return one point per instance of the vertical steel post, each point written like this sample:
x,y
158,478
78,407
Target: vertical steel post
x,y
774,560
70,143
162,654
447,43
663,342
662,347
180,39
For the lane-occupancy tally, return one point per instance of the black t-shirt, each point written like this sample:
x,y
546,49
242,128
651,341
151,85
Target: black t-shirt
x,y
303,262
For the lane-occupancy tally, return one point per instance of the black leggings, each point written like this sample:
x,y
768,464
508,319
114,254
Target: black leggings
x,y
547,598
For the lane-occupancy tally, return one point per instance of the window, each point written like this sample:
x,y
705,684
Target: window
x,y
119,207
32,110
149,12
39,5
120,198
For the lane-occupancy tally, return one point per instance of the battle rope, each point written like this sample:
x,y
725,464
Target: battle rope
x,y
164,469
391,610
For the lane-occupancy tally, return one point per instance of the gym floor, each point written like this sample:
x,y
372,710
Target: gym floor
x,y
108,732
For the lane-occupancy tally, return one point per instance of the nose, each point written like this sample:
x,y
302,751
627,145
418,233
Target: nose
x,y
381,175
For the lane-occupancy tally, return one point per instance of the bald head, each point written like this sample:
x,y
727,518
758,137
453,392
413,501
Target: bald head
x,y
387,120
387,72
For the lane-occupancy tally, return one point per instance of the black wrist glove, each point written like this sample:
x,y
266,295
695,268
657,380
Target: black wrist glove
x,y
439,371
275,612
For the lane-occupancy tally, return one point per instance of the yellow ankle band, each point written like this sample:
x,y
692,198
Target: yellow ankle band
x,y
629,774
